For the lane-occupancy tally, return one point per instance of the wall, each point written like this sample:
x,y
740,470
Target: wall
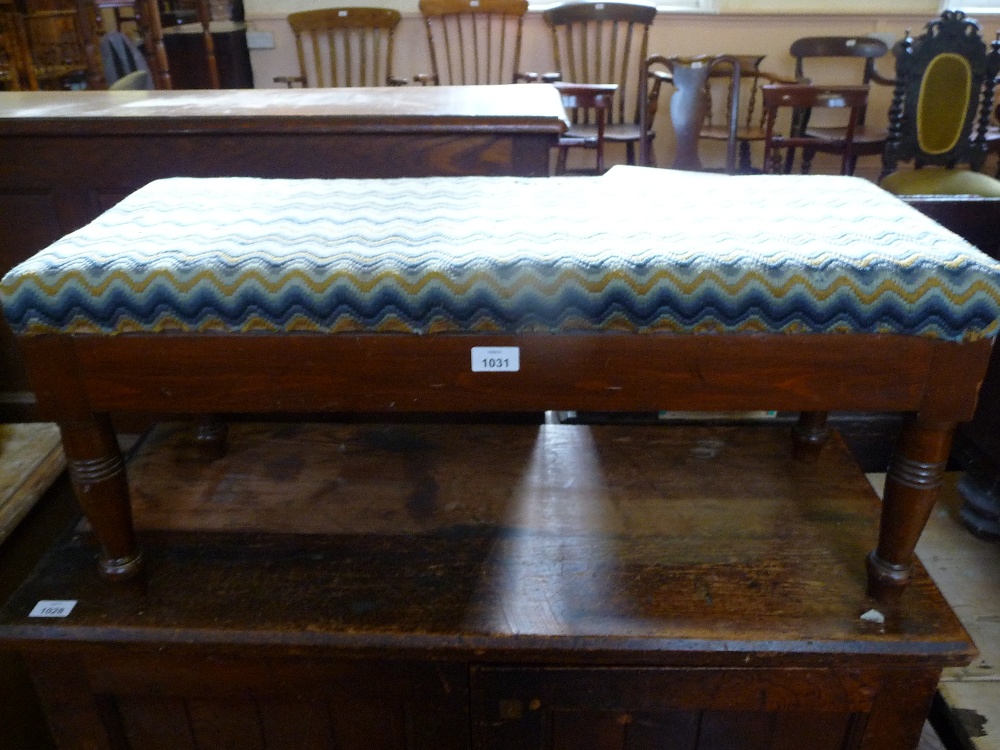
x,y
672,34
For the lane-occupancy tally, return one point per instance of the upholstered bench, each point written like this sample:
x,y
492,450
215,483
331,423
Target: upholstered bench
x,y
639,290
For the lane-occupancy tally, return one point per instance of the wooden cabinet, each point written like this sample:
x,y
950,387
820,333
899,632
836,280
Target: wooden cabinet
x,y
487,586
188,61
977,442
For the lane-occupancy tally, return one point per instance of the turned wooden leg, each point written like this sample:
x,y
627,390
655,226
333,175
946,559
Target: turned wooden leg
x,y
210,437
97,469
810,434
911,488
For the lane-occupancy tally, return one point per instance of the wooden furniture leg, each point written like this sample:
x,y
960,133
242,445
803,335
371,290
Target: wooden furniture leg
x,y
205,18
148,17
810,434
97,469
911,487
210,437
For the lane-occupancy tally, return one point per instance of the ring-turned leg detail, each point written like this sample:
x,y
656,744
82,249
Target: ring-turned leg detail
x,y
97,470
911,489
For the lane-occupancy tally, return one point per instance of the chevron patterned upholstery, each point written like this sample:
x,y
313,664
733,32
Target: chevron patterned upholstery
x,y
637,250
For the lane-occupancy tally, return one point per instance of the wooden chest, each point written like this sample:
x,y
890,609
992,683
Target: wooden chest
x,y
488,586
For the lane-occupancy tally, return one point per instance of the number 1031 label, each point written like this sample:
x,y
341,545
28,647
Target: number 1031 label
x,y
496,358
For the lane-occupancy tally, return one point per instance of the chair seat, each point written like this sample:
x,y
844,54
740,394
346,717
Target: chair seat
x,y
509,255
866,140
616,132
941,181
721,133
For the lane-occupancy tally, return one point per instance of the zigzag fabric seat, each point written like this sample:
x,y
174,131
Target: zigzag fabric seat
x,y
510,255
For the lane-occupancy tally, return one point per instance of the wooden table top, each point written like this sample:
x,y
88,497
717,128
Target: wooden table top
x,y
622,543
534,108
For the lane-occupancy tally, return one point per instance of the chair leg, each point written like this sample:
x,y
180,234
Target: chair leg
x,y
561,160
745,166
852,164
807,160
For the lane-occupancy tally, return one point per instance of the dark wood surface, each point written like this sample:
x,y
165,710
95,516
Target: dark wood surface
x,y
68,156
528,109
437,586
977,219
22,721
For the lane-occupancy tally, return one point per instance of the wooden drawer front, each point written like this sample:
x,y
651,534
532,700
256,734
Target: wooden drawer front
x,y
690,709
149,703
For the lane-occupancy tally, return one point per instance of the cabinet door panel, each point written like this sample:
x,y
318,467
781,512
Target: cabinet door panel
x,y
676,709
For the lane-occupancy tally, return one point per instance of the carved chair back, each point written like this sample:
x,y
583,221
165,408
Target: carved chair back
x,y
344,47
57,46
826,53
17,71
473,41
603,42
799,97
945,81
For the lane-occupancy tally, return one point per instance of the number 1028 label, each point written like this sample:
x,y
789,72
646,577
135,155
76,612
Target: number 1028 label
x,y
496,358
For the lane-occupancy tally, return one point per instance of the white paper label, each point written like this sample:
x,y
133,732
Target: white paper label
x,y
53,608
496,358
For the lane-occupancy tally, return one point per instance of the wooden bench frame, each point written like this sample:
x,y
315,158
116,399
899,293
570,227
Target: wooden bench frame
x,y
81,379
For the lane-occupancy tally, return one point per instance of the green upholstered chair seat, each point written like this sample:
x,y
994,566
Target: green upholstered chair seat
x,y
941,181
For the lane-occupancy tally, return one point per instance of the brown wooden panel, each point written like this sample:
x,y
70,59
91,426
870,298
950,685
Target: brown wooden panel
x,y
265,677
572,372
571,730
816,731
903,703
77,718
378,724
349,704
663,730
155,723
28,222
974,218
735,730
105,199
224,724
189,64
80,167
566,729
637,689
296,724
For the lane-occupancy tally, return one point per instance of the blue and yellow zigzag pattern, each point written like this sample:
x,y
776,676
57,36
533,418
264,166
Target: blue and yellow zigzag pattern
x,y
644,251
